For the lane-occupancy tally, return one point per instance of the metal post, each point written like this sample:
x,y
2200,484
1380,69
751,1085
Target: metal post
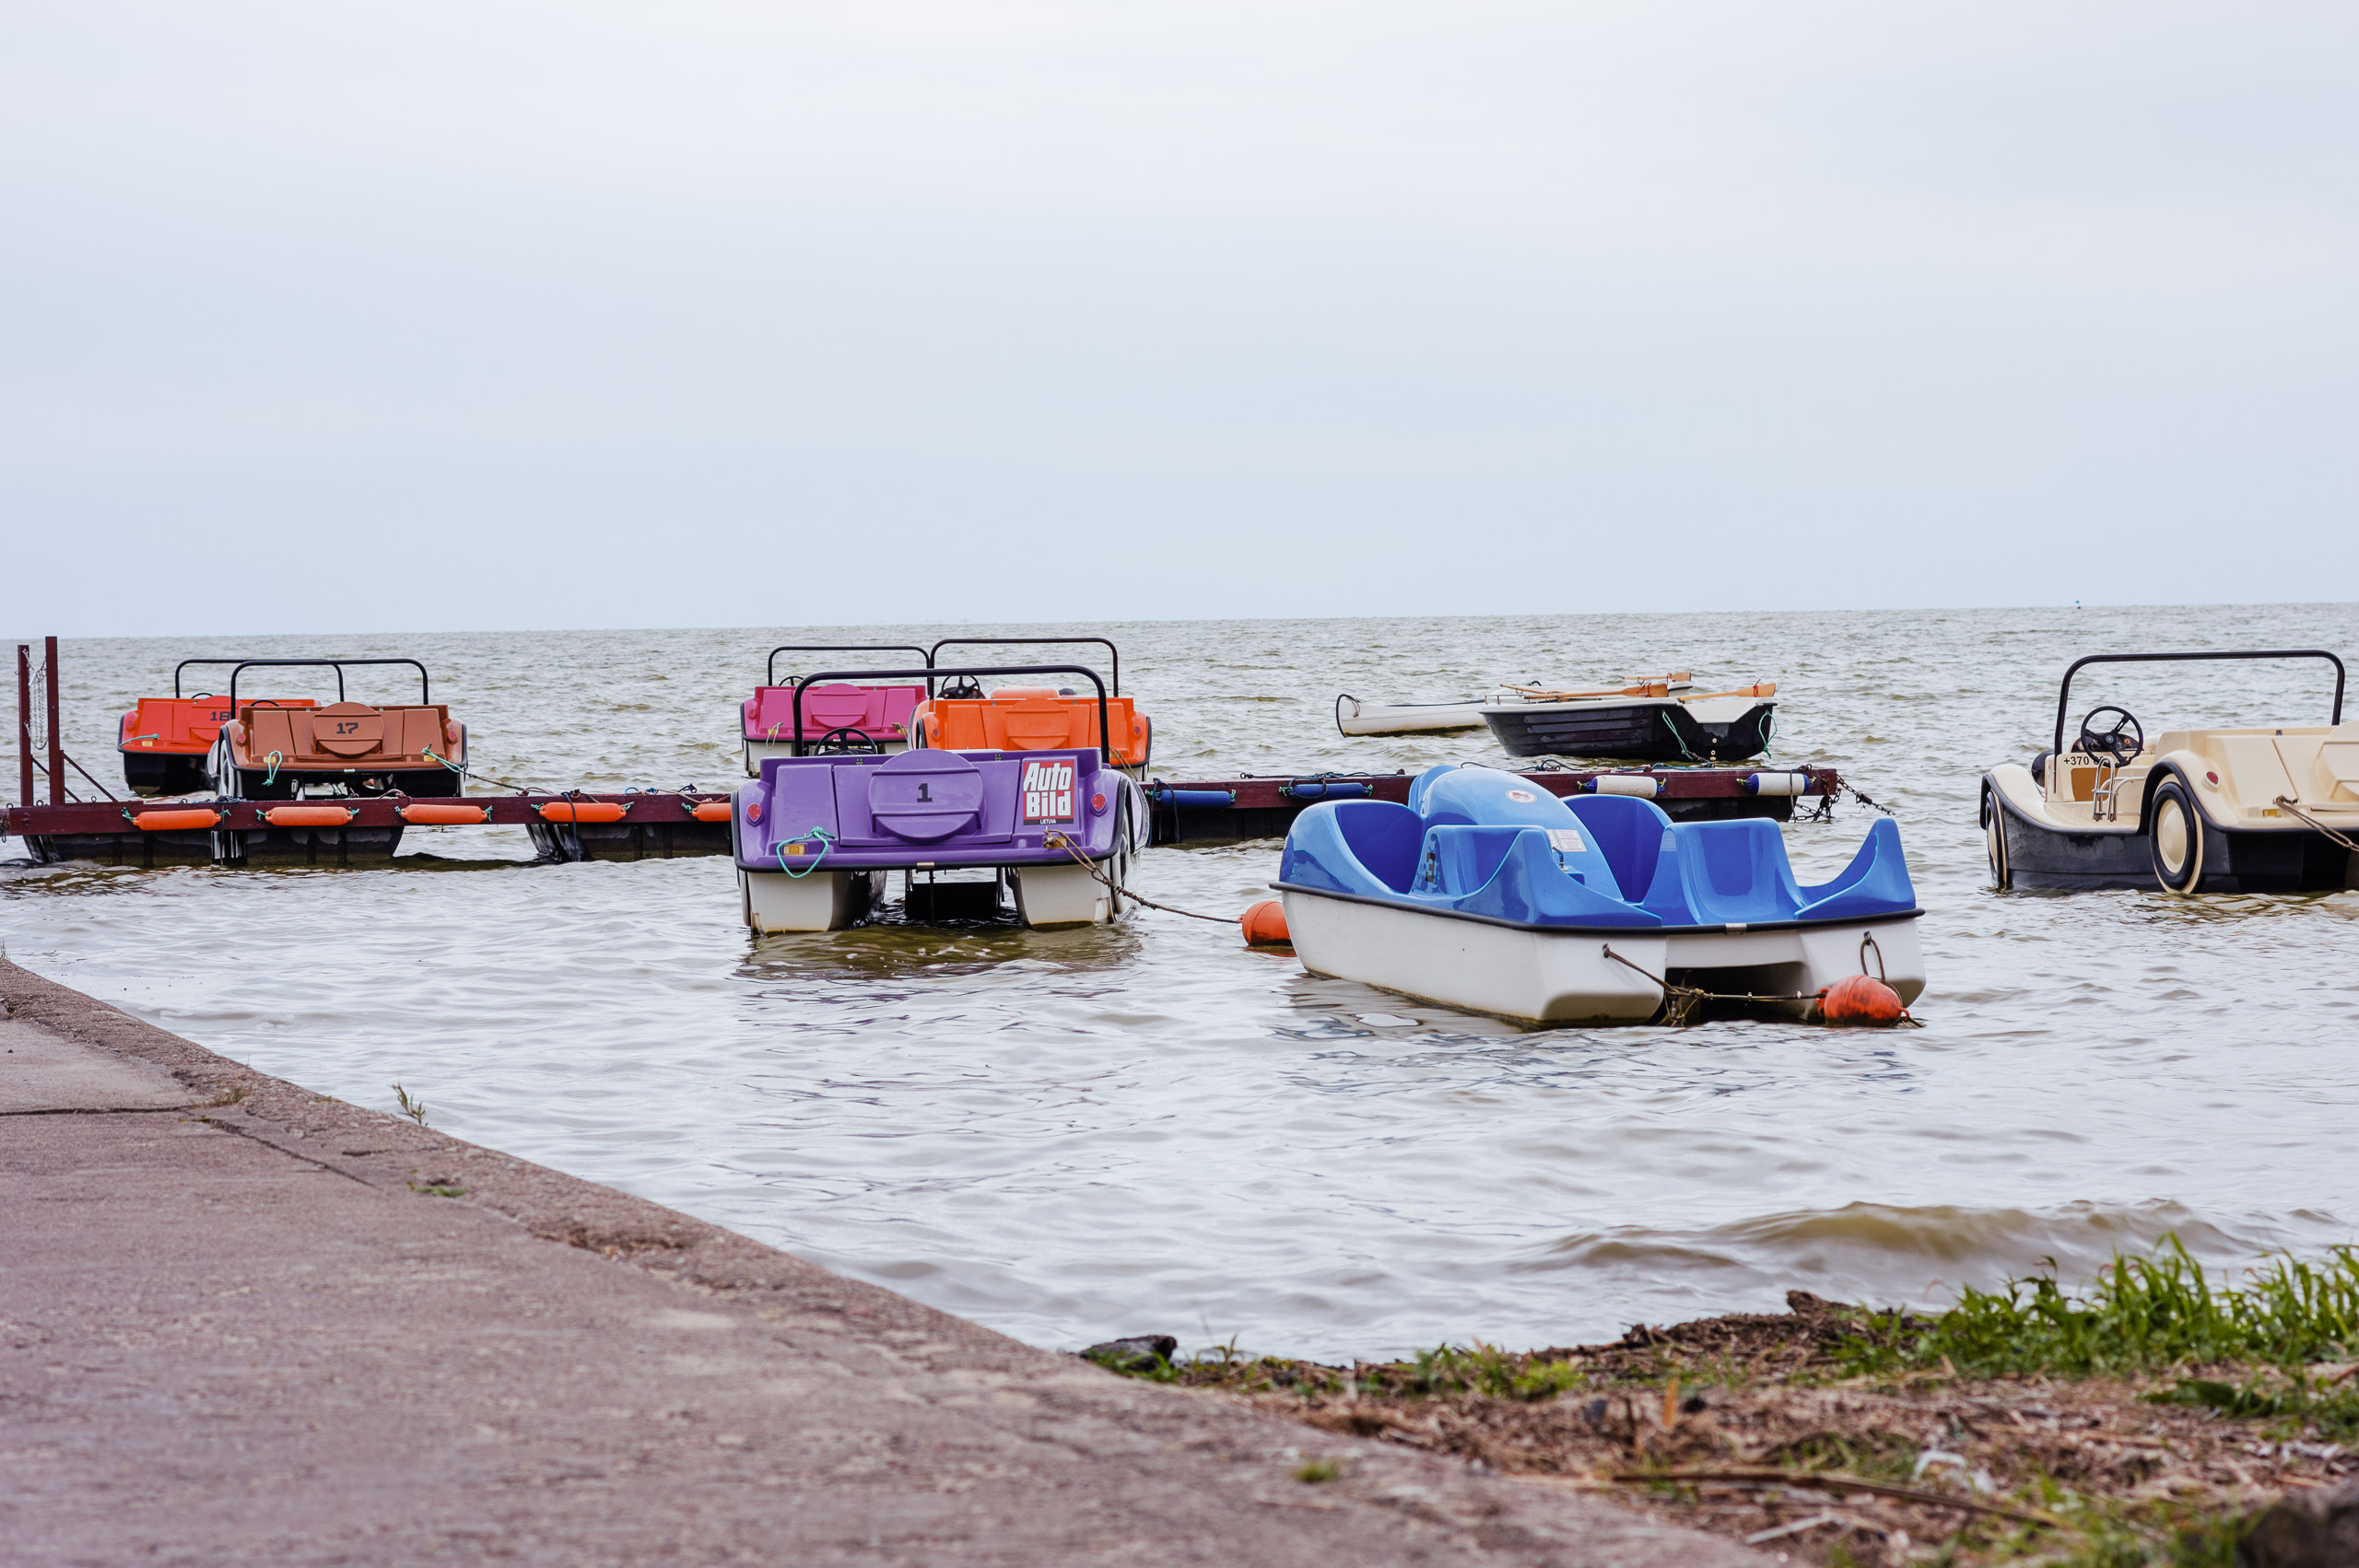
x,y
25,724
56,741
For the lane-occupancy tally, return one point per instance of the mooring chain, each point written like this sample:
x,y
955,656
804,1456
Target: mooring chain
x,y
1680,1002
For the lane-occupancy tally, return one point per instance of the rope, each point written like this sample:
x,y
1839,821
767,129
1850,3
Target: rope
x,y
1680,1002
2284,803
826,841
428,753
275,759
1060,841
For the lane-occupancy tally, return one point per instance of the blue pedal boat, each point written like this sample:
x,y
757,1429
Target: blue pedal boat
x,y
818,835
1487,893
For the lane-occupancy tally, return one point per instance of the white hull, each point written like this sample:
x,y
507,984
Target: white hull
x,y
1353,717
830,901
1564,977
757,750
822,901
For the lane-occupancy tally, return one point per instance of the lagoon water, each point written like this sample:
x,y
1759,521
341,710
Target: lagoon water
x,y
1070,1136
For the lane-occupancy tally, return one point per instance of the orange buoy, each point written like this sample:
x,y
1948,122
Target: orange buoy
x,y
583,811
167,822
711,811
309,816
1861,1000
428,814
1265,925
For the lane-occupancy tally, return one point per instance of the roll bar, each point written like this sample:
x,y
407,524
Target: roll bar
x,y
839,648
935,650
2064,693
186,662
1105,726
424,692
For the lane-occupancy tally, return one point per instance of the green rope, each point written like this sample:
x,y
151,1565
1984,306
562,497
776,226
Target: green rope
x,y
428,753
826,841
275,759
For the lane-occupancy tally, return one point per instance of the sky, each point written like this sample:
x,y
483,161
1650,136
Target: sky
x,y
438,316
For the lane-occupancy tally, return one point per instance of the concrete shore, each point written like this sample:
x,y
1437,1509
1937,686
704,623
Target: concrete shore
x,y
242,1322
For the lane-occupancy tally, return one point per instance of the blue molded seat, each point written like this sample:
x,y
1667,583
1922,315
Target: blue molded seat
x,y
1875,883
1483,842
1736,872
1629,834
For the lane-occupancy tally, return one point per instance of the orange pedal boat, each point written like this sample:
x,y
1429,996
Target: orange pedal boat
x,y
165,740
963,717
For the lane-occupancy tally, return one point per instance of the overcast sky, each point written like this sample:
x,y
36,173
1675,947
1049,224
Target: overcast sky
x,y
418,316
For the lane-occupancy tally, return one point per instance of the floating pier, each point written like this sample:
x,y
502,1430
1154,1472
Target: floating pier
x,y
1231,810
330,829
639,825
363,829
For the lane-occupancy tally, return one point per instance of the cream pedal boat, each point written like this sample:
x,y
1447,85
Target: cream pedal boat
x,y
2271,808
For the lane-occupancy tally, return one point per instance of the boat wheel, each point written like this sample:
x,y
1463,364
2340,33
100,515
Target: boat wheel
x,y
846,739
1994,835
2175,835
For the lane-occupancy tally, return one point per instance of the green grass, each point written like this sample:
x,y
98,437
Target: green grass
x,y
2140,1315
2202,1540
1486,1370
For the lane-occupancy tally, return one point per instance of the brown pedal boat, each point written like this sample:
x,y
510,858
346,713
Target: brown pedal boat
x,y
274,750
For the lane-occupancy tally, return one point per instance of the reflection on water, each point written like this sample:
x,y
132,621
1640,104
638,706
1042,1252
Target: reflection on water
x,y
1073,1134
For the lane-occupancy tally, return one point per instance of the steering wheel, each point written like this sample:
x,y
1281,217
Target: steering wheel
x,y
846,739
2120,744
962,689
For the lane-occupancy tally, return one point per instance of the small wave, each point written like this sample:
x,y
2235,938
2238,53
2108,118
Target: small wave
x,y
1919,1257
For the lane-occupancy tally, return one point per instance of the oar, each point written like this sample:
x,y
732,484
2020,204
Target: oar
x,y
1647,688
1767,688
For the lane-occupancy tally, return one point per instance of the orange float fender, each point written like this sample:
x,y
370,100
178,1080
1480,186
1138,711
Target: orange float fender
x,y
583,811
1861,1000
709,811
180,821
428,814
1265,925
309,816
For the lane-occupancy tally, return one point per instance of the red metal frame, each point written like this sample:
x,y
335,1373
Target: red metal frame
x,y
56,741
24,724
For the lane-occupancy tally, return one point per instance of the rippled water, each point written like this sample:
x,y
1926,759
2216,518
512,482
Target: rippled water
x,y
1073,1135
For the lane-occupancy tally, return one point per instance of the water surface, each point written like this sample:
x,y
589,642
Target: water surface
x,y
1070,1135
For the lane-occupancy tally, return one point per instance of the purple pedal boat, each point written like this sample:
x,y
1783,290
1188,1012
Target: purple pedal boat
x,y
816,837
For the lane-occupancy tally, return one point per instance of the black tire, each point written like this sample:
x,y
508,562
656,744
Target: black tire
x,y
1994,840
2176,837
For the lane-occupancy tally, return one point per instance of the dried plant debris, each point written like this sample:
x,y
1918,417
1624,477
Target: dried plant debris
x,y
2149,1418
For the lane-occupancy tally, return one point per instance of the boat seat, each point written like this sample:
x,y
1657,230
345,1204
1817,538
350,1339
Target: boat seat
x,y
1384,837
1735,872
1457,860
2337,770
1629,834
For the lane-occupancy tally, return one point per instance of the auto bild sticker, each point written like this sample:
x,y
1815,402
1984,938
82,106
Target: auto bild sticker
x,y
1048,791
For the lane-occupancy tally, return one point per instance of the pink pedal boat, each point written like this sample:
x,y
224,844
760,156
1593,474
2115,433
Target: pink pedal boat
x,y
837,716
